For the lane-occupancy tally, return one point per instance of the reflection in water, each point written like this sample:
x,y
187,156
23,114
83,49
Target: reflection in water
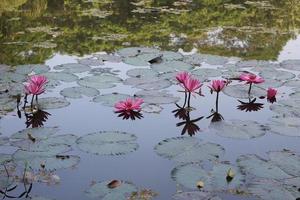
x,y
250,106
130,114
36,118
33,30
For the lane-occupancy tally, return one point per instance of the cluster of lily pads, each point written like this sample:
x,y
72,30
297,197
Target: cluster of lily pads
x,y
40,149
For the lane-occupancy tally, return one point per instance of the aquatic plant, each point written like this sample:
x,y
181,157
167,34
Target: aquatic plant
x,y
250,79
271,95
35,86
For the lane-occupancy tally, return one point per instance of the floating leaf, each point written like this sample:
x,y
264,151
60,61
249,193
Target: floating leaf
x,y
100,190
257,63
295,95
187,149
195,195
285,111
276,74
142,72
292,83
45,160
109,58
260,168
287,126
99,81
291,64
156,97
170,66
241,91
61,76
3,140
12,77
72,68
28,69
38,133
198,59
155,85
214,180
288,161
239,129
52,103
206,73
110,99
141,59
79,92
108,143
152,108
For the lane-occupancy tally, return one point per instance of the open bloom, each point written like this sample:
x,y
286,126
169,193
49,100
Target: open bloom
x,y
271,95
38,80
191,84
182,76
251,78
129,105
217,85
31,88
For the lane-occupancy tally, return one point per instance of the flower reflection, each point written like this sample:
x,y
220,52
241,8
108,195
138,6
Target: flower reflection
x,y
250,106
189,125
215,116
36,118
133,115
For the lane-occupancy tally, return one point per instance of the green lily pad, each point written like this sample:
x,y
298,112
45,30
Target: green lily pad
x,y
155,85
170,55
195,195
206,73
40,133
135,81
28,69
198,59
35,160
214,180
260,168
12,77
257,63
3,140
52,103
170,66
288,161
239,129
156,97
141,59
270,83
134,51
108,143
142,72
171,76
61,76
270,190
291,64
110,99
79,92
295,95
187,149
4,158
292,83
109,58
72,68
277,74
241,91
152,108
99,81
101,190
91,62
287,126
285,111
7,104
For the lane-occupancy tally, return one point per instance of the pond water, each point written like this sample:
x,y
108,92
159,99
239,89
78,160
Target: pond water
x,y
245,147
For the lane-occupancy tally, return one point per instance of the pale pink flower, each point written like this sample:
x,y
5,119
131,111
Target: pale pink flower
x,y
31,88
182,76
191,84
271,95
217,85
129,105
38,80
251,78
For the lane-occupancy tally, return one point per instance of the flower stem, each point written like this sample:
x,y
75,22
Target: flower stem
x,y
189,99
32,101
249,91
185,97
217,102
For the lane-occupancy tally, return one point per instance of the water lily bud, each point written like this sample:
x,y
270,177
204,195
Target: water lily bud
x,y
200,184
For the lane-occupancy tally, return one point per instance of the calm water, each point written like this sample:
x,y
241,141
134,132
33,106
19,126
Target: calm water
x,y
54,32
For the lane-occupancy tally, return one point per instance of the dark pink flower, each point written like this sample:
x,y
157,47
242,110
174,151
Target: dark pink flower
x,y
217,85
251,78
182,76
38,80
129,105
271,95
31,88
191,84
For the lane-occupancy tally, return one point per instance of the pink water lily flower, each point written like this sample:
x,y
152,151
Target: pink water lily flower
x,y
182,76
129,105
217,85
38,80
191,84
251,78
271,95
31,88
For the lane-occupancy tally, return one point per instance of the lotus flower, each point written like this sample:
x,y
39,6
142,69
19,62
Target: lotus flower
x,y
251,78
191,84
271,95
129,105
217,85
31,88
182,76
38,80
